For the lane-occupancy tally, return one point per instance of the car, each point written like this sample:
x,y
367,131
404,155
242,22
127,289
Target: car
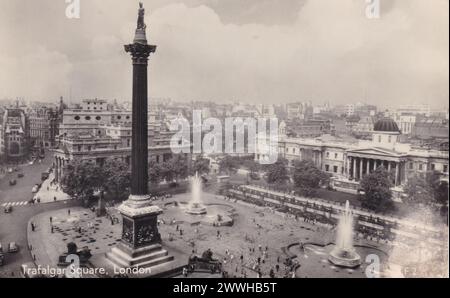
x,y
12,182
13,247
2,256
8,209
31,162
44,176
20,175
35,189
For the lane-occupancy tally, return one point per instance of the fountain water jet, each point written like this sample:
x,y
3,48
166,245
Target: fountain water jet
x,y
196,206
344,253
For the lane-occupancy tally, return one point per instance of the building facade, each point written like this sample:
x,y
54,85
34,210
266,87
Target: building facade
x,y
349,161
44,127
111,142
15,131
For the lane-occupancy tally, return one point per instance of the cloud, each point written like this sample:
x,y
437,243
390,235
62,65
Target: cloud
x,y
218,50
30,76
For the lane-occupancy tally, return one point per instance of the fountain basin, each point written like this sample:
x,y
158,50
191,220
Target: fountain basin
x,y
344,258
196,209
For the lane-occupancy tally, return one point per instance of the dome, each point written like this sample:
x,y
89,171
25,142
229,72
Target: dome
x,y
386,124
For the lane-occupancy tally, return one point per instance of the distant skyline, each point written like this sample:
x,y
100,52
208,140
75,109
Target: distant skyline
x,y
255,51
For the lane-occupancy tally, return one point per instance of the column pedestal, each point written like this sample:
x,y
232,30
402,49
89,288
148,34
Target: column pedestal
x,y
141,242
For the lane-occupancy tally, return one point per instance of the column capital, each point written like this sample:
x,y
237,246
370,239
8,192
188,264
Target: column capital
x,y
140,52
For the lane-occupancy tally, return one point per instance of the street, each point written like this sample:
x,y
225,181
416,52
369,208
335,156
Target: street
x,y
21,192
13,226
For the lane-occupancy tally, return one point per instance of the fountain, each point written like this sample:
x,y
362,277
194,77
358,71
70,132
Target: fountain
x,y
195,206
344,254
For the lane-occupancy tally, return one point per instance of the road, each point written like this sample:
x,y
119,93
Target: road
x,y
22,190
13,226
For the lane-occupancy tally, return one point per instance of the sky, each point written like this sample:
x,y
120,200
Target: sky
x,y
255,51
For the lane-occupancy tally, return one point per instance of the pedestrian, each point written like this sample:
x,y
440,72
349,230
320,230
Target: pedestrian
x,y
51,219
32,227
272,273
54,199
52,229
68,212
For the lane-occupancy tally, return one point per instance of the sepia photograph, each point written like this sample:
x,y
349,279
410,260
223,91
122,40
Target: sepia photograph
x,y
224,140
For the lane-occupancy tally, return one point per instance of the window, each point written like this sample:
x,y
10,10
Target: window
x,y
335,169
98,118
119,117
411,166
328,154
445,168
327,168
335,155
89,148
420,167
77,118
433,166
87,117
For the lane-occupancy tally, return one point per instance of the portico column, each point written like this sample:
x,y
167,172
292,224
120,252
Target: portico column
x,y
389,166
348,166
360,168
320,159
56,168
397,172
375,164
354,167
368,166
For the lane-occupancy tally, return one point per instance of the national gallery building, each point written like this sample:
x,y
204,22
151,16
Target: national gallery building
x,y
348,161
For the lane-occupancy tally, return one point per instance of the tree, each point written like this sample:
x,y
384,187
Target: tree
x,y
228,165
377,191
418,191
428,190
155,172
277,173
117,180
175,169
307,177
80,179
253,168
200,166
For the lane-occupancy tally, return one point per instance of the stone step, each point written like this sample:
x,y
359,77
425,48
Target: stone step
x,y
158,261
117,260
130,261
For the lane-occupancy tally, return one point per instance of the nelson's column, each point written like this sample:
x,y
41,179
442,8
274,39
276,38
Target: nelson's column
x,y
140,244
